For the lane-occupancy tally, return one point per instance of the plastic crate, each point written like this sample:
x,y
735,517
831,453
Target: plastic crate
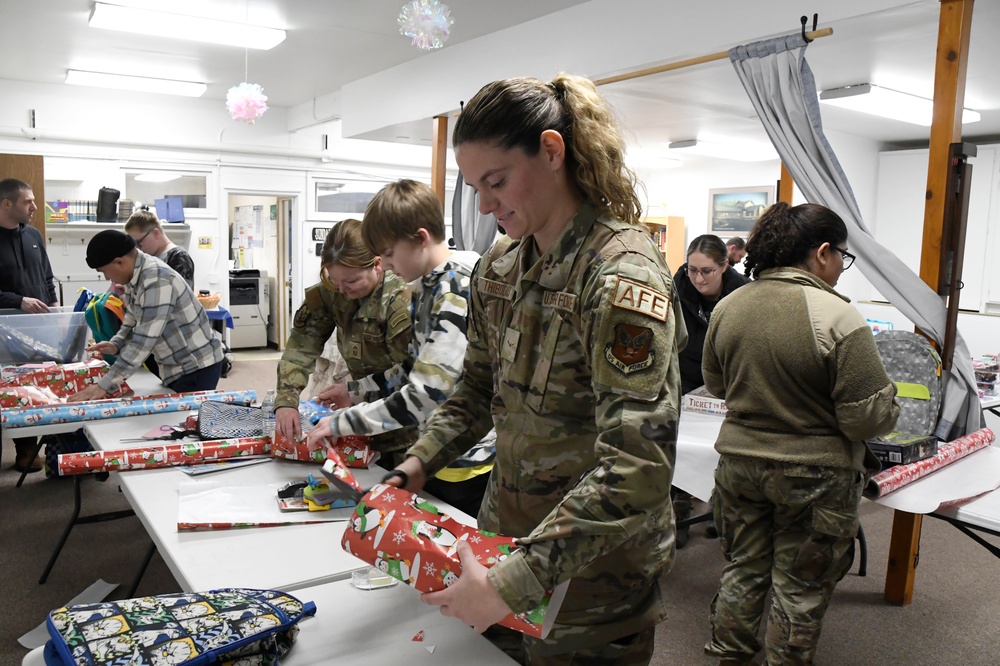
x,y
60,336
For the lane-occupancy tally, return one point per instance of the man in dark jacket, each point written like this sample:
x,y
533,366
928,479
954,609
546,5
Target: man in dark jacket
x,y
25,277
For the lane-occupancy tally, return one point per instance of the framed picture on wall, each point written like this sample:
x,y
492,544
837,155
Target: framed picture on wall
x,y
733,210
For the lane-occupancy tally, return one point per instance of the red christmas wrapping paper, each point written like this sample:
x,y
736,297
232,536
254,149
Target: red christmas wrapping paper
x,y
193,453
354,450
52,384
411,540
162,455
896,477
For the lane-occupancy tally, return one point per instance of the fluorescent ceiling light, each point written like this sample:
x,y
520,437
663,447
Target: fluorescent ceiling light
x,y
639,158
887,103
180,26
136,83
157,177
739,151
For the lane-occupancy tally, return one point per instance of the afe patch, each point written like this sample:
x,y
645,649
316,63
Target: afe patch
x,y
630,352
354,350
638,297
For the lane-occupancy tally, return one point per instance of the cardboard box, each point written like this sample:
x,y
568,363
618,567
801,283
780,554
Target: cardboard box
x,y
700,400
898,448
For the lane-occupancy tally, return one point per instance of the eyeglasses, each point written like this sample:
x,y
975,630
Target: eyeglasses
x,y
704,272
848,257
138,241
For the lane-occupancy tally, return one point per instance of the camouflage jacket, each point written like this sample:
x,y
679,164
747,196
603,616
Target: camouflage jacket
x,y
406,394
373,334
574,355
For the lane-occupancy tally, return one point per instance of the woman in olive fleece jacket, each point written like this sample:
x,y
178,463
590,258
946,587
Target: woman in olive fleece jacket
x,y
804,387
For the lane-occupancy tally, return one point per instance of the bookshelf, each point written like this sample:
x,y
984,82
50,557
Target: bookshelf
x,y
668,235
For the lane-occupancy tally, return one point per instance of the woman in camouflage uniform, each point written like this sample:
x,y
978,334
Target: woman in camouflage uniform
x,y
572,355
804,385
370,311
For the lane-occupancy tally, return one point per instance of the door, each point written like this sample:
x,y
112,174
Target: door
x,y
30,169
281,302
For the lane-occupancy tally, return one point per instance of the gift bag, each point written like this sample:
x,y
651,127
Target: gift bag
x,y
231,625
223,420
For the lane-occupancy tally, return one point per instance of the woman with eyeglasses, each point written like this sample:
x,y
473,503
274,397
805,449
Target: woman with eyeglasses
x,y
369,311
704,280
805,387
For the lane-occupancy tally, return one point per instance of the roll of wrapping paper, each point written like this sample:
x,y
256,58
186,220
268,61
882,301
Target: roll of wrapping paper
x,y
896,477
194,453
22,417
162,455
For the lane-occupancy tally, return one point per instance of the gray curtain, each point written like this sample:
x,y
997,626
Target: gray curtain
x,y
780,84
471,230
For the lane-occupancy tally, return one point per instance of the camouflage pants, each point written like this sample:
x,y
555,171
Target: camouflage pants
x,y
787,528
634,650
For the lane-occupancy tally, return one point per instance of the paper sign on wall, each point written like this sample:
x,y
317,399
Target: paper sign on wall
x,y
205,242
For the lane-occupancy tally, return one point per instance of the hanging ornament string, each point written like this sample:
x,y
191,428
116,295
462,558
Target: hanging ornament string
x,y
246,101
426,22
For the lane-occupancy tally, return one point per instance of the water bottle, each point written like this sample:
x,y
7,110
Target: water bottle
x,y
268,407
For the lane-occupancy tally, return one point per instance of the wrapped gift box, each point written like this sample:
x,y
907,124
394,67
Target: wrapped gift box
x,y
898,448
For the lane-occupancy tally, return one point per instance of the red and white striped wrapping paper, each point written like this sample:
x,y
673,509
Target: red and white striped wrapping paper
x,y
896,477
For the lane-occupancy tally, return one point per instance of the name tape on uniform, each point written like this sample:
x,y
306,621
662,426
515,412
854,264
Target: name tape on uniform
x,y
560,300
641,298
494,288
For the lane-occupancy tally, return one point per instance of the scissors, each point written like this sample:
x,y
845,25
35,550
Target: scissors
x,y
168,433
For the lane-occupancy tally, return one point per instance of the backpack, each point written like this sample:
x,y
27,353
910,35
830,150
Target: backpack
x,y
221,626
915,367
104,314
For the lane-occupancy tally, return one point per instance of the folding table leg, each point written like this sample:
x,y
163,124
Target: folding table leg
x,y
142,570
25,473
74,520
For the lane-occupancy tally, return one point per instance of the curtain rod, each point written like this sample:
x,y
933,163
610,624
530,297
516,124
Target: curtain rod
x,y
722,55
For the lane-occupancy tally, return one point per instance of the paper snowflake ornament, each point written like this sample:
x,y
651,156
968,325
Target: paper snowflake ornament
x,y
246,102
426,22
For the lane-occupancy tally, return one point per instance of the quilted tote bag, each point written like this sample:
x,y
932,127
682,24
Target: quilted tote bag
x,y
222,420
229,626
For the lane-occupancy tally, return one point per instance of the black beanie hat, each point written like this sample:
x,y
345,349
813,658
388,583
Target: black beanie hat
x,y
107,246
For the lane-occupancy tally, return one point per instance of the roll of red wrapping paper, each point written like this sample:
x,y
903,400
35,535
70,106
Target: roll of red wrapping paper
x,y
163,455
353,449
896,477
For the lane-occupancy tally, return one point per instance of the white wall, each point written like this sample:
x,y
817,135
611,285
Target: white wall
x,y
89,138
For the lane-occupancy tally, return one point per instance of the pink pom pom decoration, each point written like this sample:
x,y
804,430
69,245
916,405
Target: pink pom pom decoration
x,y
426,22
246,102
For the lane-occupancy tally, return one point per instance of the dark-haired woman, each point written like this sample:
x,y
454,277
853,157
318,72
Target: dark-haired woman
x,y
705,278
804,386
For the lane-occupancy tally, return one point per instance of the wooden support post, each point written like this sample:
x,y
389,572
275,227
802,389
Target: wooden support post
x,y
439,153
785,185
949,98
